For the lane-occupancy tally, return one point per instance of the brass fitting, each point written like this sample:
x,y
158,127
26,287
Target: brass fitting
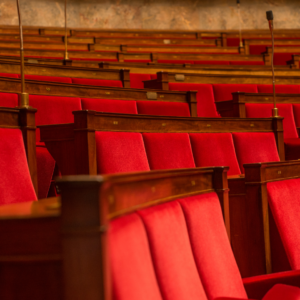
x,y
275,112
23,100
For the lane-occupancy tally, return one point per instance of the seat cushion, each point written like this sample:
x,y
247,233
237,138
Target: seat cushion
x,y
136,80
109,105
284,202
97,82
215,149
279,88
283,291
15,180
8,100
223,92
168,150
172,253
119,152
254,110
255,147
48,78
134,263
216,264
292,148
205,97
159,108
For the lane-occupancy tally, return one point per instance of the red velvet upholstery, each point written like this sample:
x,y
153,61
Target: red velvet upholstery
x,y
257,286
119,152
282,58
292,148
211,62
97,82
45,169
136,80
205,97
282,88
246,63
48,78
285,110
160,108
296,108
215,149
8,100
153,76
128,233
233,42
223,92
53,109
285,207
254,147
15,181
168,150
258,49
170,61
171,251
281,291
216,264
9,75
109,105
137,60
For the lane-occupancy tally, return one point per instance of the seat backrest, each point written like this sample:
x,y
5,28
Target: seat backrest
x,y
279,88
215,149
285,110
109,105
223,92
283,197
255,147
296,110
15,180
53,110
176,250
160,108
97,82
168,150
136,80
8,100
119,152
205,97
48,78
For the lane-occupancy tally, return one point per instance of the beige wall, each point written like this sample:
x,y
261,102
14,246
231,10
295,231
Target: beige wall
x,y
153,14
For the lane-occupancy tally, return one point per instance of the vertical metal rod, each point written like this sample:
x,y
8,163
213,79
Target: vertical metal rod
x,y
272,64
23,97
21,49
240,25
66,33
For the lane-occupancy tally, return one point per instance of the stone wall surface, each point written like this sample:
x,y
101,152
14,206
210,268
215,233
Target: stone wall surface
x,y
153,14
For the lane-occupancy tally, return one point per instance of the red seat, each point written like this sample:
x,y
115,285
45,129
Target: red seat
x,y
259,49
170,61
119,152
48,78
284,203
215,149
246,63
223,92
159,108
281,89
51,110
205,97
97,82
109,105
211,62
285,110
282,58
168,150
136,80
8,100
15,180
255,147
9,75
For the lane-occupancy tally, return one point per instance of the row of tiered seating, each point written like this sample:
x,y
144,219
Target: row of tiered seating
x,y
168,223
